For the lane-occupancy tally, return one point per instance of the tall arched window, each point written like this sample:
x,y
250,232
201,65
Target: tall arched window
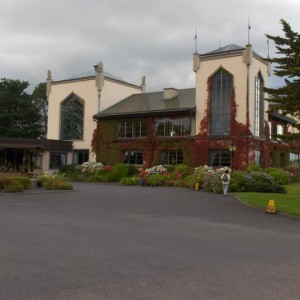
x,y
71,111
220,102
259,107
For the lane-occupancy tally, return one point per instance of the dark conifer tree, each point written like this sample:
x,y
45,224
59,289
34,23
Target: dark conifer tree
x,y
19,116
286,99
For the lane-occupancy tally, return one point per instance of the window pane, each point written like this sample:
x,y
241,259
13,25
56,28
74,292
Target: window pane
x,y
134,157
220,158
171,157
221,91
57,160
80,156
173,127
72,119
132,128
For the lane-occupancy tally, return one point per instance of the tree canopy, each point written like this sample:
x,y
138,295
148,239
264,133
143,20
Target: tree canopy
x,y
19,116
40,100
286,65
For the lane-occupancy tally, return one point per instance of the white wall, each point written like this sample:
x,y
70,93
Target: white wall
x,y
113,91
235,66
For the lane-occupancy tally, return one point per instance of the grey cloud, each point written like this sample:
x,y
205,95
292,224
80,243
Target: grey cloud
x,y
131,37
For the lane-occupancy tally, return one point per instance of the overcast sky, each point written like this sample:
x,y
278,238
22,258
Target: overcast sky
x,y
131,37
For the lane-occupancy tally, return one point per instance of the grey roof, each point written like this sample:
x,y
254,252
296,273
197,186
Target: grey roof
x,y
151,103
92,73
282,117
228,48
39,143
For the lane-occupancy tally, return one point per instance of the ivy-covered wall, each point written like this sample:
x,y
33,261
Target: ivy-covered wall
x,y
195,149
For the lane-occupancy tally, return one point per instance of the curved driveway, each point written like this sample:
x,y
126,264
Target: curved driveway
x,y
105,241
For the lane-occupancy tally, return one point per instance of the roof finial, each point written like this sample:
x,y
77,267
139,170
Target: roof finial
x,y
196,41
249,27
143,84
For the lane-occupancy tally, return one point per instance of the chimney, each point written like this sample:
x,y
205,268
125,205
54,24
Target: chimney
x,y
170,93
143,84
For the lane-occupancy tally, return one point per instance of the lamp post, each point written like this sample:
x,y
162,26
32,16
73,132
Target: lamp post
x,y
231,148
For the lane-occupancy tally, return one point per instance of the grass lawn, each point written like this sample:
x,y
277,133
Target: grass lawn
x,y
288,203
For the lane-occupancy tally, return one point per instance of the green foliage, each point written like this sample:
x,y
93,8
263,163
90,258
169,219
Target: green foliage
x,y
19,116
119,171
130,180
213,183
287,65
54,182
280,176
287,203
294,173
253,166
158,179
257,176
237,182
67,168
183,170
13,184
41,102
190,181
263,187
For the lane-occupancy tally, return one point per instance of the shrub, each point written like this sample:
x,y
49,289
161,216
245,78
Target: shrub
x,y
280,176
263,187
54,182
91,167
213,183
130,180
293,170
253,166
156,170
118,172
237,182
158,179
67,168
258,176
24,181
13,186
183,170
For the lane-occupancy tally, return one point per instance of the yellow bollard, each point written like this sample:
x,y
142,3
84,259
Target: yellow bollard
x,y
197,186
271,207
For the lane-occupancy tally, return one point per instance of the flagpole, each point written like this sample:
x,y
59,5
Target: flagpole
x,y
268,42
249,27
196,50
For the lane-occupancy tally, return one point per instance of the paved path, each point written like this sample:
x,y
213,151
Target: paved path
x,y
105,241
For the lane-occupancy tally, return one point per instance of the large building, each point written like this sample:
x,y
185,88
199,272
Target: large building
x,y
223,121
72,104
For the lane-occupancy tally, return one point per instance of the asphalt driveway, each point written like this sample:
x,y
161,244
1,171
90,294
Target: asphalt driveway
x,y
105,241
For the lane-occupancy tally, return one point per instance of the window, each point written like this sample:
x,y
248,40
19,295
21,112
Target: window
x,y
220,103
171,157
259,107
258,157
220,158
72,118
173,127
133,128
80,156
57,160
294,158
133,157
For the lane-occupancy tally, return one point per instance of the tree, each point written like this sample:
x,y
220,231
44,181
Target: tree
x,y
40,100
287,65
19,117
